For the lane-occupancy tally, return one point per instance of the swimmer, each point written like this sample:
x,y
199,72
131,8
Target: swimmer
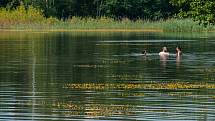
x,y
178,51
164,52
144,52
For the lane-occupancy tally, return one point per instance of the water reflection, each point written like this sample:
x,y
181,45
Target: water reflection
x,y
163,60
178,61
85,76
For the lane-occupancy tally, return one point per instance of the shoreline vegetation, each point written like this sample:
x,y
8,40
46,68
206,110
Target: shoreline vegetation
x,y
80,30
32,19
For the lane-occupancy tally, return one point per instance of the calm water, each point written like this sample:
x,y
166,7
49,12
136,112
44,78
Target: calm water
x,y
104,76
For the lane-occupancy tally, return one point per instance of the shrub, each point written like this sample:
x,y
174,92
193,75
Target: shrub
x,y
22,15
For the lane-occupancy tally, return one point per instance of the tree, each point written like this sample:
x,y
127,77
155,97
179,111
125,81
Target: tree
x,y
132,9
3,3
202,11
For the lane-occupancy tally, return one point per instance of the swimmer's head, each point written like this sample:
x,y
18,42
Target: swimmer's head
x,y
178,49
144,52
164,49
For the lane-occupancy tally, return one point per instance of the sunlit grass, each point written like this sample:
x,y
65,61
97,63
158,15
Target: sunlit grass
x,y
104,23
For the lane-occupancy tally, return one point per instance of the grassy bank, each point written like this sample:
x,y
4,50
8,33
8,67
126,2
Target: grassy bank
x,y
33,19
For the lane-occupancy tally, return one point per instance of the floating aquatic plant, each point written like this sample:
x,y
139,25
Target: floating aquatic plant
x,y
153,86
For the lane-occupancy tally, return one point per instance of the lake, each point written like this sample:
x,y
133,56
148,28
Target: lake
x,y
104,76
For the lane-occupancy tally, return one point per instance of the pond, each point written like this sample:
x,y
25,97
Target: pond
x,y
104,76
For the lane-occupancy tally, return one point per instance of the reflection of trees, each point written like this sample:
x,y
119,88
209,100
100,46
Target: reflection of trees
x,y
68,58
43,63
16,70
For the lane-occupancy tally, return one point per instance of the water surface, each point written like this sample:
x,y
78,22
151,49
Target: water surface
x,y
104,76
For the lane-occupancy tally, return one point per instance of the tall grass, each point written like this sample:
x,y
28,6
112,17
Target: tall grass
x,y
32,18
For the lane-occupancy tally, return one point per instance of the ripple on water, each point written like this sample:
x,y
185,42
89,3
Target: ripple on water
x,y
64,76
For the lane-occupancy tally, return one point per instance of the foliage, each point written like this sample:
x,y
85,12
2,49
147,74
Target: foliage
x,y
132,9
21,15
199,10
108,14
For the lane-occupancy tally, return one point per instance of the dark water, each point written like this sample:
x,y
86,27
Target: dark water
x,y
104,76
